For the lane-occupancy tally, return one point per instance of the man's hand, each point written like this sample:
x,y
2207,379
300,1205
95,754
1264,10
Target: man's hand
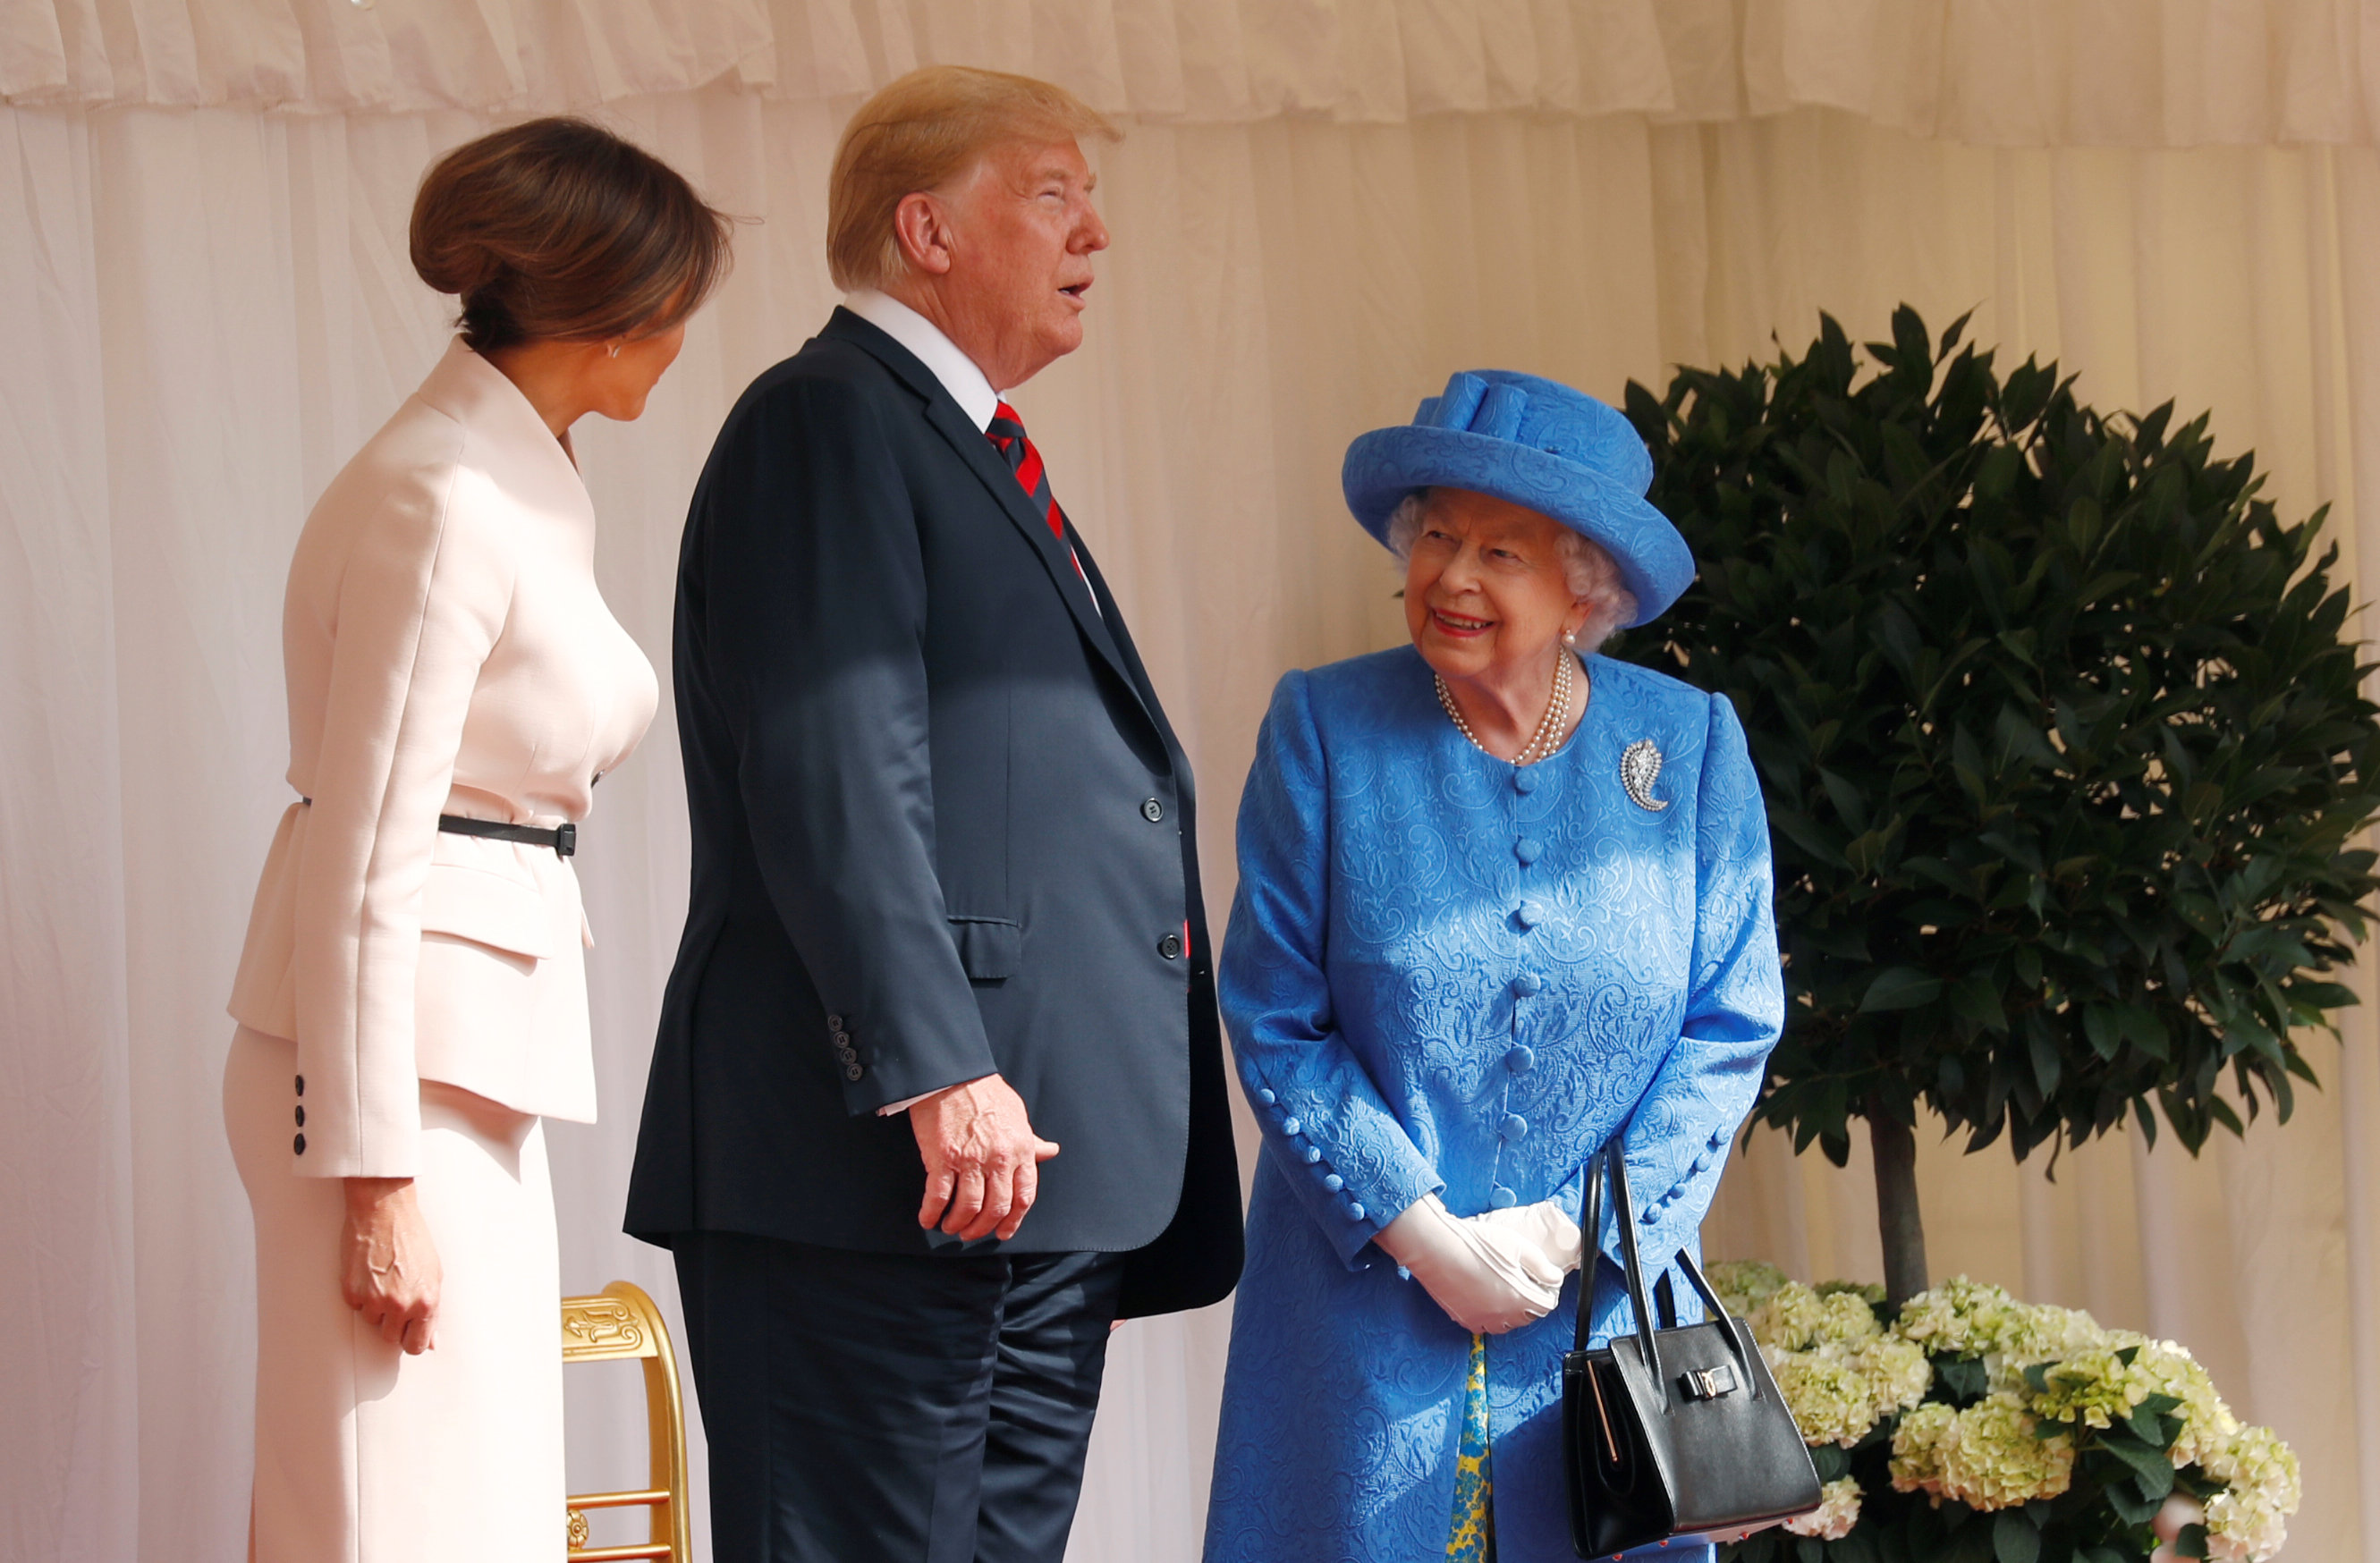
x,y
389,1269
983,1161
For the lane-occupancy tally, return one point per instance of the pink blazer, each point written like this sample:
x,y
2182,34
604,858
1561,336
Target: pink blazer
x,y
447,653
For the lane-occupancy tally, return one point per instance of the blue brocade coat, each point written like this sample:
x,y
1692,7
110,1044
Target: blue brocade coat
x,y
1447,973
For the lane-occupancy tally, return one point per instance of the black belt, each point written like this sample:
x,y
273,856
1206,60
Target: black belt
x,y
562,838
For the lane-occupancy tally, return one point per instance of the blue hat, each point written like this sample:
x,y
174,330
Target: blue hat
x,y
1536,443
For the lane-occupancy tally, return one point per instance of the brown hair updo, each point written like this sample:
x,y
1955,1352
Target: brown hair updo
x,y
557,228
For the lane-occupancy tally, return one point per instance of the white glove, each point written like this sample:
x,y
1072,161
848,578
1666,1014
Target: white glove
x,y
1453,1261
1532,1247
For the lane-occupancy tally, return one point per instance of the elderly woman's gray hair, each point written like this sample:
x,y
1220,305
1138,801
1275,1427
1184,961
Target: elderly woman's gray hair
x,y
1592,576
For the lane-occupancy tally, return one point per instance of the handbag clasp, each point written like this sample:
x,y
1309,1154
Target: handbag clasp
x,y
1710,1383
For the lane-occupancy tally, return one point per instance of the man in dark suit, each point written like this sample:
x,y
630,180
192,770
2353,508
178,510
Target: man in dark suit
x,y
938,1095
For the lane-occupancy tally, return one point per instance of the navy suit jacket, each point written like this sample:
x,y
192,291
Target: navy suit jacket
x,y
941,829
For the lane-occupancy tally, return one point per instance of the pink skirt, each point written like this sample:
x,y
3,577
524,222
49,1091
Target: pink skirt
x,y
363,1454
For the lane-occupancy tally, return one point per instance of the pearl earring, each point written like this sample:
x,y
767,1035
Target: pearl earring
x,y
1569,638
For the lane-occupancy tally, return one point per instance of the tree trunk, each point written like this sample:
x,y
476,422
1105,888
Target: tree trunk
x,y
1895,1148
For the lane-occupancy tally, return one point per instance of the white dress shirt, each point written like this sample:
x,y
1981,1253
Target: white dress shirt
x,y
959,374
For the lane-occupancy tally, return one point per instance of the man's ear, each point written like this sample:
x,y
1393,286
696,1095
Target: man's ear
x,y
921,228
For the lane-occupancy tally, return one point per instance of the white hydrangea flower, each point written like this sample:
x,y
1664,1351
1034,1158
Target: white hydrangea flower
x,y
1837,1511
2248,1520
1744,1284
1986,1457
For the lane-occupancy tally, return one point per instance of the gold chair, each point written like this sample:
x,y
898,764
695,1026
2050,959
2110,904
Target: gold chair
x,y
622,1322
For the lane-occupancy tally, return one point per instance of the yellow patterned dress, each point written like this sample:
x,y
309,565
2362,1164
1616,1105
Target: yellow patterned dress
x,y
1474,1540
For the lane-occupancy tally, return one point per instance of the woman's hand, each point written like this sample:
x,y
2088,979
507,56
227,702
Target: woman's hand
x,y
1456,1265
389,1269
1533,1245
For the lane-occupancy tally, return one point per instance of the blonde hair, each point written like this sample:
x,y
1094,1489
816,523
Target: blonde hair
x,y
918,134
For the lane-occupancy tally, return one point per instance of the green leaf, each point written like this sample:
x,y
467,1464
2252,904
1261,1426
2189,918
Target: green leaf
x,y
2015,1538
1900,987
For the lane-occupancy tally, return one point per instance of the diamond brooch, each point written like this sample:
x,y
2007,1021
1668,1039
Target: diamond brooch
x,y
1640,766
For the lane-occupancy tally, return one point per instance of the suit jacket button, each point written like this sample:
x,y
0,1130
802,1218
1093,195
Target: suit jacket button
x,y
301,1145
1151,810
1170,947
852,1071
834,1023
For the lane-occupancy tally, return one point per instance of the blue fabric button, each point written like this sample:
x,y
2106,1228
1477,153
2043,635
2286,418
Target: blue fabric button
x,y
1313,1155
1528,849
1502,1197
1520,1059
1702,1164
1332,1181
1289,1126
1267,1098
1531,914
1718,1139
1354,1210
1514,1127
1527,984
1525,780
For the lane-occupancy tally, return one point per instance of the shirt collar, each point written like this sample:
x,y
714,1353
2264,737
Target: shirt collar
x,y
922,337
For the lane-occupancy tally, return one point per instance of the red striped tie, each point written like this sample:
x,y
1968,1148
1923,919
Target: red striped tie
x,y
1007,432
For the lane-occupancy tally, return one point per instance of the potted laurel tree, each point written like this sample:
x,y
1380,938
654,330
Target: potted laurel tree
x,y
2066,762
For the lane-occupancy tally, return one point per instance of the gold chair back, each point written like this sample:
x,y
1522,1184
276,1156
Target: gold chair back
x,y
622,1322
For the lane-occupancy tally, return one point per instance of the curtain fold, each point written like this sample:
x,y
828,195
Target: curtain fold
x,y
207,310
2136,73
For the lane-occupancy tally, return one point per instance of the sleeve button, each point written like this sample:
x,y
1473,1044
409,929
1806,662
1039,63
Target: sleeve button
x,y
1332,1181
1354,1210
1313,1155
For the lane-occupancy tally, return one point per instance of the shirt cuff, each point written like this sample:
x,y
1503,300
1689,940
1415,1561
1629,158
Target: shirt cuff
x,y
889,1109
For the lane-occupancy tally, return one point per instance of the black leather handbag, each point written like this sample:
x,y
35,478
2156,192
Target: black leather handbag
x,y
1673,1435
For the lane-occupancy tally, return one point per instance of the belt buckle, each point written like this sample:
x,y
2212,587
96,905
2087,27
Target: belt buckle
x,y
565,839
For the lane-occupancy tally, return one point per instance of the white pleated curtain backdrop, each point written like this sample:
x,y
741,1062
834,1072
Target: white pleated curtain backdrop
x,y
1320,210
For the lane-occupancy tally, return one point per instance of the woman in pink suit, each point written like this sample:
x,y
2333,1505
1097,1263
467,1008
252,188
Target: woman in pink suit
x,y
412,1000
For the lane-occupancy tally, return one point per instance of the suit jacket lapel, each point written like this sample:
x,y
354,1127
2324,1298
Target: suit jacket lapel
x,y
983,458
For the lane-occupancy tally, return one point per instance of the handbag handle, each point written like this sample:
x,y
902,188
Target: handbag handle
x,y
1614,1154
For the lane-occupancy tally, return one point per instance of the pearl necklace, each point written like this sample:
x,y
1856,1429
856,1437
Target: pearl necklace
x,y
1548,738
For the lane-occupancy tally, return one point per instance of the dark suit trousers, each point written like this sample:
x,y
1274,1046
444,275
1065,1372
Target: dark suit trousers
x,y
880,1408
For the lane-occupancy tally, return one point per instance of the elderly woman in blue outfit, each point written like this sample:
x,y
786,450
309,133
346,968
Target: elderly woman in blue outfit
x,y
1500,900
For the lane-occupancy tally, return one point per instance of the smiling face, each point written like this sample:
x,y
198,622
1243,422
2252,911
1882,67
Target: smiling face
x,y
1488,595
1019,232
